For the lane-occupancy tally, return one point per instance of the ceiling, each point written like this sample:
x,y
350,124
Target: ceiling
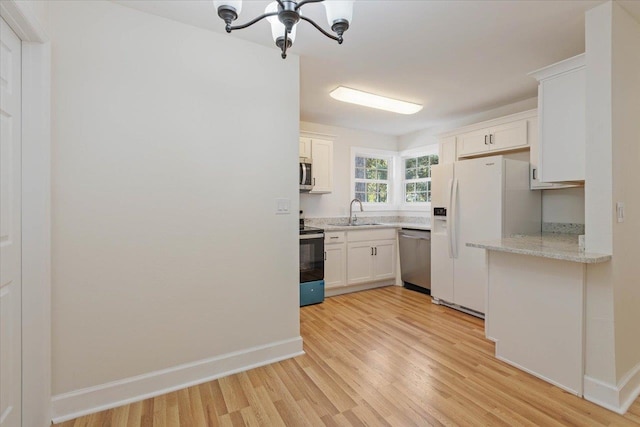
x,y
457,58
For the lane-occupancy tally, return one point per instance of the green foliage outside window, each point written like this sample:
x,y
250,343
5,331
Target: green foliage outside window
x,y
417,178
372,179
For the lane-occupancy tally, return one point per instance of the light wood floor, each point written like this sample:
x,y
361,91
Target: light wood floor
x,y
385,357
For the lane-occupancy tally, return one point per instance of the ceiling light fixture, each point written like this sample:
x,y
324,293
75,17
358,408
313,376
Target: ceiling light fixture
x,y
284,15
358,97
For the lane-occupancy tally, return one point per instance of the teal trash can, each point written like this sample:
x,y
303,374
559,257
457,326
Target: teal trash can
x,y
311,293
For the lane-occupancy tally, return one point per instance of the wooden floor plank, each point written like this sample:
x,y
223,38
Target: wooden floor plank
x,y
384,357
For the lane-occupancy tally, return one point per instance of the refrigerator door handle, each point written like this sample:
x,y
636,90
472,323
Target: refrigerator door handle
x,y
454,210
449,189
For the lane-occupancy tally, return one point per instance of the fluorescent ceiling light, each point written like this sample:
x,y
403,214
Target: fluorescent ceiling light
x,y
353,96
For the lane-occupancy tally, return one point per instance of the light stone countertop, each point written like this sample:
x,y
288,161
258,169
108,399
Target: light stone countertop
x,y
416,226
562,247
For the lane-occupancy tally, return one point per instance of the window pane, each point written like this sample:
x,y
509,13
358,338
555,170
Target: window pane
x,y
423,161
411,174
423,172
421,186
371,174
360,173
371,188
434,160
359,162
410,163
382,175
382,164
410,188
361,196
372,163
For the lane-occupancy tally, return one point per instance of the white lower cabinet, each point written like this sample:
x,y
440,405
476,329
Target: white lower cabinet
x,y
335,260
371,255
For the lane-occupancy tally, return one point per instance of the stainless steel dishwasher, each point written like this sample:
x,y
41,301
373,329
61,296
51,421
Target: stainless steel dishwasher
x,y
415,259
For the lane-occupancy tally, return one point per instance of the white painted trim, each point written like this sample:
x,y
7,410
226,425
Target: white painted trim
x,y
312,135
85,401
568,65
22,21
615,398
357,288
535,374
36,211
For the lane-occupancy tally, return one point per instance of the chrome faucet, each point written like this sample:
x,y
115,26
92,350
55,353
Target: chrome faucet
x,y
351,210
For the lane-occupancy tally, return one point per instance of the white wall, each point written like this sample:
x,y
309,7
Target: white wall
x,y
564,205
337,203
166,167
626,176
612,358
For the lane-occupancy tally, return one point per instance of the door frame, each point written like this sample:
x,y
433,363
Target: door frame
x,y
36,211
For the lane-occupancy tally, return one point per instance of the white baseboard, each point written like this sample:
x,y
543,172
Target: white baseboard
x,y
357,288
98,398
616,398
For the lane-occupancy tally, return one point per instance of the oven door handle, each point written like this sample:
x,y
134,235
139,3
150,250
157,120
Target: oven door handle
x,y
311,236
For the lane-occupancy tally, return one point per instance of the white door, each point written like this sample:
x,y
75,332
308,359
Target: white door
x,y
441,258
384,259
509,135
322,167
478,218
359,262
10,229
334,265
474,142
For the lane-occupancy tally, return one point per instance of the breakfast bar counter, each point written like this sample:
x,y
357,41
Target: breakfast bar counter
x,y
563,247
535,304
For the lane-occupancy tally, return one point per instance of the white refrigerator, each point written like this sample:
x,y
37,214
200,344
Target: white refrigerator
x,y
475,200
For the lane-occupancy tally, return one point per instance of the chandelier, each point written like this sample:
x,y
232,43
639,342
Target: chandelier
x,y
284,15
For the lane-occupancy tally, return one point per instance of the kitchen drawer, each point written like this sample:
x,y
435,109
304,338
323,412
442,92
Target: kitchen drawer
x,y
311,292
376,234
334,237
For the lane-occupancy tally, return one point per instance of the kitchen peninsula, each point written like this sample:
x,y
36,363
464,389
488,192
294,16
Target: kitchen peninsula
x,y
536,304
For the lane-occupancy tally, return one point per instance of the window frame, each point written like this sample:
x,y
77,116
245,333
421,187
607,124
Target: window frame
x,y
411,154
392,161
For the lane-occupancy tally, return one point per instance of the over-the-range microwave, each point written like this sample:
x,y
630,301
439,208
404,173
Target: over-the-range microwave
x,y
306,183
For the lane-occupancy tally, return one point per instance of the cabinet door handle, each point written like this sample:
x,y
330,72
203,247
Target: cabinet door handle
x,y
490,138
485,140
334,237
375,250
314,181
325,255
533,173
371,251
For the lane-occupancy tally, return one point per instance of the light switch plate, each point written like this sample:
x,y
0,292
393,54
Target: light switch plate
x,y
620,211
283,206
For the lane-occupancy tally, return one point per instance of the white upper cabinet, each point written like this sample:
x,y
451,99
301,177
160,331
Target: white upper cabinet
x,y
498,138
322,167
562,120
447,150
320,151
305,148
